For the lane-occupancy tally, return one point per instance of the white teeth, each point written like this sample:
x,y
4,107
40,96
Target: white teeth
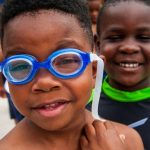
x,y
129,65
47,106
50,105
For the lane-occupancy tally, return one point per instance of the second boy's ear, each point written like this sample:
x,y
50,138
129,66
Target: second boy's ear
x,y
97,44
97,47
94,71
103,58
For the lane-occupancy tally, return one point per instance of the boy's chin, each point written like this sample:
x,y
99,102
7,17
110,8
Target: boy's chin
x,y
129,84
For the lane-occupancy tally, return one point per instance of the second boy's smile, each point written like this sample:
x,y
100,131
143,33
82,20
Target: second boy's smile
x,y
125,43
129,63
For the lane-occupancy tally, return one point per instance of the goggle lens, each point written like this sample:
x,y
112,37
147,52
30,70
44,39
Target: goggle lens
x,y
19,69
67,64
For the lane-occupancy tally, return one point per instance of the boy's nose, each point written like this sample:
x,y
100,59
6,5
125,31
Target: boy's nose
x,y
129,46
44,81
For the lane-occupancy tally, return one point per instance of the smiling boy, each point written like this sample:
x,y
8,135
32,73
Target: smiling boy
x,y
49,66
123,37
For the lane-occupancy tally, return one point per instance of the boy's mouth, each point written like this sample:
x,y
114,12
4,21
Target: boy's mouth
x,y
51,109
129,64
52,106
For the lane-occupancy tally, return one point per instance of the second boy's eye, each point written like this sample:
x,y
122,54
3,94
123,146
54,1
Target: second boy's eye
x,y
143,38
114,38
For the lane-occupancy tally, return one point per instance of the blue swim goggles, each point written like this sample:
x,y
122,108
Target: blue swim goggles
x,y
65,64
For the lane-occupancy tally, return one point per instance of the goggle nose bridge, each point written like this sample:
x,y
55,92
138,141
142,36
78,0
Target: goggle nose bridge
x,y
44,64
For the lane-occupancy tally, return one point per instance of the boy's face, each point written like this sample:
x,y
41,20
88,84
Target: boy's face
x,y
48,101
125,42
94,6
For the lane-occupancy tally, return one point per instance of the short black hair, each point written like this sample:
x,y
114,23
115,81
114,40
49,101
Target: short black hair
x,y
77,8
108,3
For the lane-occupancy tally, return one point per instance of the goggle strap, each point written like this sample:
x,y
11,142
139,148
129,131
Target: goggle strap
x,y
0,67
93,57
98,85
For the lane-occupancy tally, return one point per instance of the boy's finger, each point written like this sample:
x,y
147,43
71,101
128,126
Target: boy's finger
x,y
112,131
90,133
83,141
90,130
109,125
99,125
100,128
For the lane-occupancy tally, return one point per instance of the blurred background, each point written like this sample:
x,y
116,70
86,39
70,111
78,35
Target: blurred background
x,y
6,123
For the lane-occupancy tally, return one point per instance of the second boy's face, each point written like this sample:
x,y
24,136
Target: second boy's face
x,y
125,42
48,101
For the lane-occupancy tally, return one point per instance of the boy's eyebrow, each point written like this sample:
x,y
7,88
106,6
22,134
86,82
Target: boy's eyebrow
x,y
119,29
14,52
143,29
68,43
114,29
62,44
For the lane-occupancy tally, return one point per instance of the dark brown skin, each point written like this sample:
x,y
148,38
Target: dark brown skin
x,y
40,35
107,135
97,135
124,38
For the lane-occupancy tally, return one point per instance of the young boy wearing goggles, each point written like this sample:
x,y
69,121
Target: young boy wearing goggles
x,y
51,74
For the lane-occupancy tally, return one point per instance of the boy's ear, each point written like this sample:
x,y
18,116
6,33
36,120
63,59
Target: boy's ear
x,y
97,44
103,58
94,71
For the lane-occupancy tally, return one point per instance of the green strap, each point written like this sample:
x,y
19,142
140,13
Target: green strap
x,y
91,98
124,96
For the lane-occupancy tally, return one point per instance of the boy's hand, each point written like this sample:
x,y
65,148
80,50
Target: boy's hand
x,y
101,136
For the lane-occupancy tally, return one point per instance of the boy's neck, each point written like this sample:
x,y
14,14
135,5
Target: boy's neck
x,y
140,85
64,139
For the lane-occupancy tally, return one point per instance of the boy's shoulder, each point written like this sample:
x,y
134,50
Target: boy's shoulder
x,y
19,138
8,142
130,136
5,144
12,140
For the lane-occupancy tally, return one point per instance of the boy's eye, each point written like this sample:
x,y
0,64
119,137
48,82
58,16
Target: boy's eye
x,y
114,38
67,64
19,67
143,38
19,70
67,61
